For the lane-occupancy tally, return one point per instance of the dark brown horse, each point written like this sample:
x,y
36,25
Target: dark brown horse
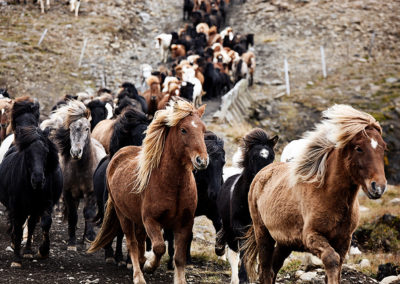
x,y
310,204
153,188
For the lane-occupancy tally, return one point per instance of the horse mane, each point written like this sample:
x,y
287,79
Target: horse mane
x,y
339,126
72,112
24,105
257,136
153,144
96,103
128,120
26,135
213,142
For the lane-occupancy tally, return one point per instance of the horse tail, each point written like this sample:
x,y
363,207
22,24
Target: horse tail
x,y
250,253
109,228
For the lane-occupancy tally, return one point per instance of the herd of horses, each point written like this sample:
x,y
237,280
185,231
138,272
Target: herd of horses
x,y
157,175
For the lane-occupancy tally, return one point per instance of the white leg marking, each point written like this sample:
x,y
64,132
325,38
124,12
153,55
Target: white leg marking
x,y
234,258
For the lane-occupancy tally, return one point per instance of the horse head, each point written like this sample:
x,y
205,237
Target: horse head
x,y
39,152
258,151
189,139
364,160
79,132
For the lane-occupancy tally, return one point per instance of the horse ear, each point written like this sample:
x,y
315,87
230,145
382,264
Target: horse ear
x,y
201,110
274,140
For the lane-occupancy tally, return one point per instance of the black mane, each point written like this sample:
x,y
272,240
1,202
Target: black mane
x,y
213,142
25,105
26,135
256,137
130,120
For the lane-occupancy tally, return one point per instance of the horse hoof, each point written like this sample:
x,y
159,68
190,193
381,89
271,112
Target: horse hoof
x,y
16,264
219,250
28,255
110,260
129,266
121,263
148,268
71,248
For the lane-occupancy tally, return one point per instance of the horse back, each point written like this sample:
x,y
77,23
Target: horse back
x,y
276,205
120,180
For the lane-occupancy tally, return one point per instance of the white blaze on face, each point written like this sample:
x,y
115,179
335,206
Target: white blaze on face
x,y
264,153
374,144
194,124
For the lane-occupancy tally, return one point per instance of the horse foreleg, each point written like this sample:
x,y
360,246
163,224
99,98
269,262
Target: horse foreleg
x,y
71,208
16,237
45,224
189,246
169,237
182,237
234,258
320,246
28,253
265,245
153,229
41,6
77,8
89,212
220,242
132,244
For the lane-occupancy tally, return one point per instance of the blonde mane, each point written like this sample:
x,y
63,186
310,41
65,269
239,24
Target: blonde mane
x,y
339,125
153,144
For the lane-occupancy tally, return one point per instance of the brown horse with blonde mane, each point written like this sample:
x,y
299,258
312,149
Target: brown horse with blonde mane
x,y
153,188
310,204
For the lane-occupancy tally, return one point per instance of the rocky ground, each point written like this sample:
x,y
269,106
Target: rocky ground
x,y
361,41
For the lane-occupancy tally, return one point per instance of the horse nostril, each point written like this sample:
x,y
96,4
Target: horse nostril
x,y
373,185
198,160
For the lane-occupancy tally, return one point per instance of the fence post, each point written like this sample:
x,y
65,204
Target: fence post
x,y
323,61
42,37
287,77
82,52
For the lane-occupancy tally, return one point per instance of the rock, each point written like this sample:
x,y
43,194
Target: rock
x,y
299,273
395,201
364,209
145,17
365,263
391,80
311,260
308,276
354,251
390,279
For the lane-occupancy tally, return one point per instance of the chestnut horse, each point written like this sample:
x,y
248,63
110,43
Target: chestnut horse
x,y
153,188
310,204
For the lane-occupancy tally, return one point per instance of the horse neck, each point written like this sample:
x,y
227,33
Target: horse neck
x,y
338,182
171,165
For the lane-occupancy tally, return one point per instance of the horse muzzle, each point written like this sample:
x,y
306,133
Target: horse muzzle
x,y
76,153
200,163
38,181
374,190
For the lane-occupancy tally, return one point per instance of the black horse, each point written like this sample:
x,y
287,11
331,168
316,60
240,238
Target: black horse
x,y
25,112
98,112
208,182
30,185
257,152
129,129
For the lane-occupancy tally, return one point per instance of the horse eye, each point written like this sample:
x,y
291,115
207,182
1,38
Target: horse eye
x,y
358,149
183,130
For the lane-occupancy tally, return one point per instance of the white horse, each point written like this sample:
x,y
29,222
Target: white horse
x,y
291,150
74,6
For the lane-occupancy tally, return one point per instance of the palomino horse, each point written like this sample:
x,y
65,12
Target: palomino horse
x,y
79,156
153,188
310,204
